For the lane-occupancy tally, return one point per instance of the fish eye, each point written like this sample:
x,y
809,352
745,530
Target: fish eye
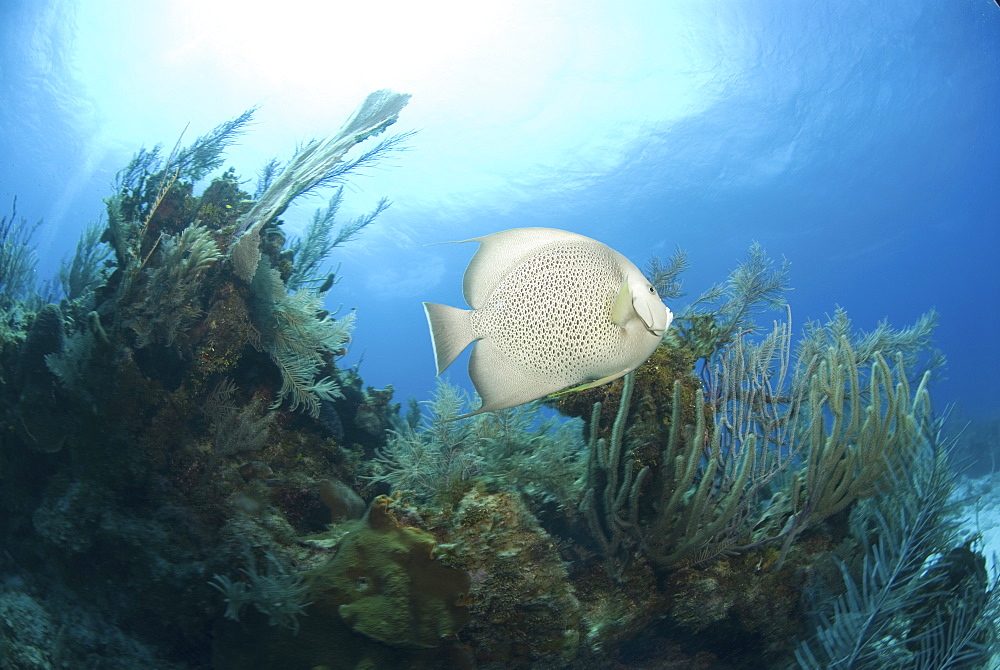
x,y
652,290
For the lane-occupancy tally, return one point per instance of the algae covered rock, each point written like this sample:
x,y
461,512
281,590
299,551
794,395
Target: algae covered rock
x,y
524,608
385,583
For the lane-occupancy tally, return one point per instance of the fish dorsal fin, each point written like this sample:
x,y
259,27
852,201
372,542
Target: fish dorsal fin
x,y
499,252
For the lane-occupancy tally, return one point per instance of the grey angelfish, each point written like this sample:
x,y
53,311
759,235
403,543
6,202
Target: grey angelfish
x,y
550,310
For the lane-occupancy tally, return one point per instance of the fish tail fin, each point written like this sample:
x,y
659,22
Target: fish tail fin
x,y
451,332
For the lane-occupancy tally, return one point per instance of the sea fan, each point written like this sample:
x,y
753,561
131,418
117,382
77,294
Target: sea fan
x,y
300,337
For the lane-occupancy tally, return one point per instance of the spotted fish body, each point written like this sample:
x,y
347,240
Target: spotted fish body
x,y
550,310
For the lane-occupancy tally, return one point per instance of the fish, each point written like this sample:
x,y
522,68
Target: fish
x,y
550,310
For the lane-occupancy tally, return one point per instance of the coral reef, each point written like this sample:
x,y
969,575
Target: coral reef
x,y
144,443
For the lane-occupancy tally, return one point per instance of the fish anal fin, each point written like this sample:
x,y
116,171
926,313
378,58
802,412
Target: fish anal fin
x,y
501,384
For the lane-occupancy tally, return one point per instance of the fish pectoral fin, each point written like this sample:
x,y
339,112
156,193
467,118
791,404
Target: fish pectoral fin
x,y
591,384
623,308
568,391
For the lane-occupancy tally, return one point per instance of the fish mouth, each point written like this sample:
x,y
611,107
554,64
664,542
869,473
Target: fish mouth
x,y
659,326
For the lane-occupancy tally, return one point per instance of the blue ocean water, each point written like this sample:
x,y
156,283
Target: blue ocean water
x,y
857,140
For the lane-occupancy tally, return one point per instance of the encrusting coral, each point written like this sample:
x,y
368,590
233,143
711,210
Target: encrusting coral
x,y
386,583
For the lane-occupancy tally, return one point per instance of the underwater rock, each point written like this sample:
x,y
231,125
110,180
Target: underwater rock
x,y
614,611
385,583
255,470
43,338
362,416
222,333
330,420
341,499
69,514
700,601
372,417
27,632
744,603
524,608
38,422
